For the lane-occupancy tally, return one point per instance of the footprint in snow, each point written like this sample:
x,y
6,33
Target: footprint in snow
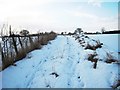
x,y
80,81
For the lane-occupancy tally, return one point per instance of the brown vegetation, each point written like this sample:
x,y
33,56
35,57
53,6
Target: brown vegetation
x,y
20,52
91,57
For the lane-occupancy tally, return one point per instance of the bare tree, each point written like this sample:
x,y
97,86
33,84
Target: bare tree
x,y
78,31
24,32
103,29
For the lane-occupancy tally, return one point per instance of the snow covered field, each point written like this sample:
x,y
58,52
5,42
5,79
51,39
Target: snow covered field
x,y
110,40
60,64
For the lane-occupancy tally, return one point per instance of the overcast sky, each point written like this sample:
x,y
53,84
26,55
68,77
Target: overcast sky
x,y
59,15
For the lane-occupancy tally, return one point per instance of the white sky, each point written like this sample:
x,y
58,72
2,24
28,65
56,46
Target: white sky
x,y
59,15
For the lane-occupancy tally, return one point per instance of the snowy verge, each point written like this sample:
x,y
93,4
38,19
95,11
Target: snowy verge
x,y
63,63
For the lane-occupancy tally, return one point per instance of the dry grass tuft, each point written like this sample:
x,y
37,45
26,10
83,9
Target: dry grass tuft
x,y
20,55
7,62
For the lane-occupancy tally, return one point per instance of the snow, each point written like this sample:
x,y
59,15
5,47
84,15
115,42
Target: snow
x,y
110,40
98,77
67,59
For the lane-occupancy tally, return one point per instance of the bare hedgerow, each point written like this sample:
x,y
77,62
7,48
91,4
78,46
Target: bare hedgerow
x,y
28,47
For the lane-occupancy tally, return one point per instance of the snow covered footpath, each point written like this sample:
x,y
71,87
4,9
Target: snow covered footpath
x,y
60,64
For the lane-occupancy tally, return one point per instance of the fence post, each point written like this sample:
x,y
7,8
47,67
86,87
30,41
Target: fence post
x,y
31,41
38,38
7,47
2,55
20,42
4,48
11,49
14,43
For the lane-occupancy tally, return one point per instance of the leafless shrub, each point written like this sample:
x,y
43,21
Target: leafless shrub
x,y
91,57
94,47
88,46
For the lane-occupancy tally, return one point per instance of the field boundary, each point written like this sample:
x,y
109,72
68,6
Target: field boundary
x,y
15,47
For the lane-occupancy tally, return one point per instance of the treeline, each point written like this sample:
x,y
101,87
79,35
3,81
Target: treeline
x,y
112,32
81,31
105,32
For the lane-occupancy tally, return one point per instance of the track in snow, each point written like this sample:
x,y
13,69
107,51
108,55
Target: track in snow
x,y
62,57
60,64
